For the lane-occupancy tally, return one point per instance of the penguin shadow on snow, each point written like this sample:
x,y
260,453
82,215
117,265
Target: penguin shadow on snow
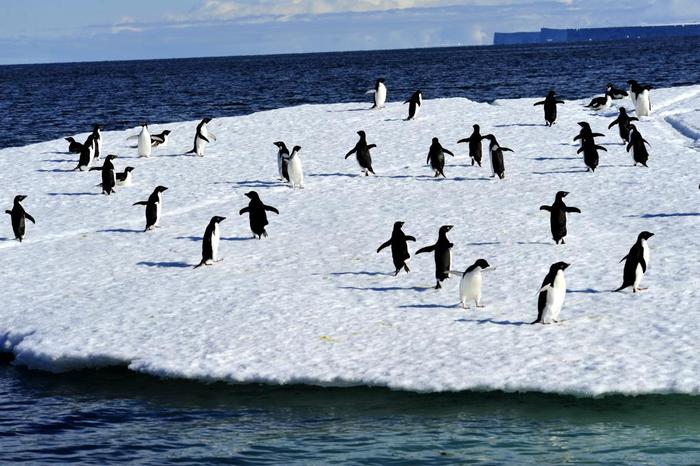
x,y
383,289
179,265
543,159
74,194
59,160
560,172
255,183
230,238
120,230
429,306
492,321
586,291
519,124
55,170
362,272
534,242
363,109
346,175
666,215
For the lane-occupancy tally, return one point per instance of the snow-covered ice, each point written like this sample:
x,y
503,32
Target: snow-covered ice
x,y
314,303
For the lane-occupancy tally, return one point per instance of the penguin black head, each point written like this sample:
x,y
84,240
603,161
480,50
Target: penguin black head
x,y
482,263
645,235
69,139
561,195
584,124
160,189
623,111
296,148
559,266
380,80
445,228
633,127
551,94
361,133
435,141
111,157
128,169
217,219
19,198
95,127
252,195
144,123
280,144
476,127
166,132
632,82
206,120
398,225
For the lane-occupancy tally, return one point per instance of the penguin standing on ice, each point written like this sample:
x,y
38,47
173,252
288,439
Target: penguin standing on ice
x,y
550,107
590,153
74,147
623,121
85,159
154,205
210,242
557,218
436,157
294,168
160,139
257,215
109,178
551,295
415,102
470,284
97,138
202,137
586,132
144,141
474,145
17,216
361,151
637,145
600,103
399,248
282,159
616,93
498,166
379,94
443,255
124,178
636,263
640,98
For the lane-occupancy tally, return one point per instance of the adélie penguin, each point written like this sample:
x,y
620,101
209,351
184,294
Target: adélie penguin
x,y
125,178
257,214
590,153
551,295
294,168
600,103
399,248
160,139
154,205
210,242
586,132
17,217
379,94
616,93
144,141
498,166
550,107
74,147
97,138
636,263
443,255
474,145
638,147
640,98
470,284
415,102
557,217
623,121
361,151
202,137
282,154
86,152
436,157
109,178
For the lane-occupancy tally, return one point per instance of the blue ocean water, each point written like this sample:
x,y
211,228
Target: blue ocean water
x,y
116,416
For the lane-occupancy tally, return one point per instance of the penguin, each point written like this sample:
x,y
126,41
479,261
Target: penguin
x,y
640,98
637,144
557,218
210,242
415,102
590,154
436,157
443,255
282,159
144,138
623,122
399,248
586,132
470,284
636,263
124,178
109,178
153,205
202,136
474,145
294,168
615,93
361,151
498,166
600,103
17,216
379,94
550,107
257,215
74,147
85,159
160,139
97,138
551,295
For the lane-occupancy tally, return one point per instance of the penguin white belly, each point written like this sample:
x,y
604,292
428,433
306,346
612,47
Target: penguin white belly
x,y
296,173
493,171
98,147
633,97
639,273
159,205
380,96
200,144
470,287
642,104
215,243
555,299
126,181
280,161
144,147
417,110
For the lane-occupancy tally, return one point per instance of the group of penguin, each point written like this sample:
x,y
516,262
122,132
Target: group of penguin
x,y
553,289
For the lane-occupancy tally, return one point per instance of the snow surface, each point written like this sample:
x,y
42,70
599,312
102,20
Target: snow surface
x,y
315,304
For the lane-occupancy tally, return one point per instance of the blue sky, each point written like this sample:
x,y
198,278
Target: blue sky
x,y
36,31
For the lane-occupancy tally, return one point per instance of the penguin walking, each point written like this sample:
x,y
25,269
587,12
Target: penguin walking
x,y
86,158
17,217
399,248
210,242
470,284
637,145
436,158
415,102
616,93
557,217
257,215
600,103
361,151
443,255
636,263
496,151
550,107
124,178
379,94
154,206
474,145
74,147
144,141
294,168
586,132
160,139
97,138
551,295
202,137
109,178
282,159
590,153
639,95
623,121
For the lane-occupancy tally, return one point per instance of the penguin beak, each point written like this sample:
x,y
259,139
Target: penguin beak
x,y
448,227
564,194
221,219
565,266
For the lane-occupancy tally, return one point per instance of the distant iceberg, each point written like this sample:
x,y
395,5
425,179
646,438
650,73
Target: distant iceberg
x,y
548,35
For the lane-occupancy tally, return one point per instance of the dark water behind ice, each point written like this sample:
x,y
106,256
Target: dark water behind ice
x,y
41,102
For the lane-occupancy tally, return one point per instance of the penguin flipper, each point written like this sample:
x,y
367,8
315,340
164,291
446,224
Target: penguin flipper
x,y
202,137
272,209
579,150
141,203
447,152
573,210
643,263
560,101
624,258
546,207
646,142
409,238
244,210
544,288
463,140
634,119
596,135
93,169
132,137
371,146
388,243
212,136
426,249
616,121
506,149
601,148
8,212
354,149
629,146
538,103
31,219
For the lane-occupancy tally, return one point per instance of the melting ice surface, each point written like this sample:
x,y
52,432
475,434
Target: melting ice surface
x,y
315,304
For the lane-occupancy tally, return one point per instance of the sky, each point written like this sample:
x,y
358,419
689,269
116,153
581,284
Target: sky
x,y
40,31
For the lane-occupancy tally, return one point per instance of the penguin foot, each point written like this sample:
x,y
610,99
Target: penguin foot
x,y
464,306
438,286
397,272
480,306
